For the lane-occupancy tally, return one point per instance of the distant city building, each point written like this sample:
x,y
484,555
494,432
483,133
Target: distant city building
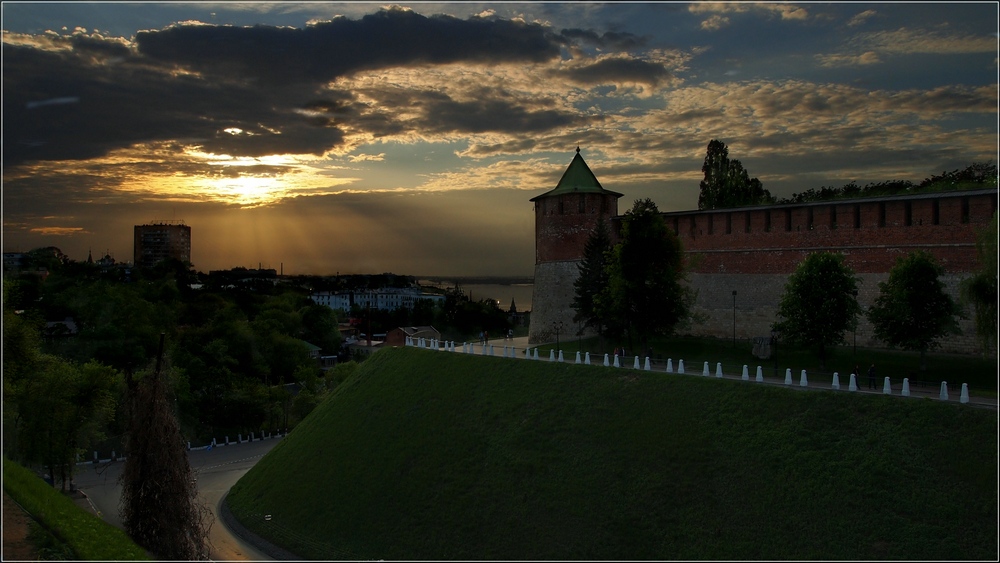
x,y
161,241
398,336
388,299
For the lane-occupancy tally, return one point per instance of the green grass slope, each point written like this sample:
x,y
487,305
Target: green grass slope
x,y
87,536
434,455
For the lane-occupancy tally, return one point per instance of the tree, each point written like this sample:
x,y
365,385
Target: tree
x,y
644,296
159,507
912,308
727,183
593,277
980,290
819,303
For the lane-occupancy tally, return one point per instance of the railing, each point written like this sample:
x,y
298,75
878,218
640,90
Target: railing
x,y
704,368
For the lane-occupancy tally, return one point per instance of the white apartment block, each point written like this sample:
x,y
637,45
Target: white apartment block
x,y
388,299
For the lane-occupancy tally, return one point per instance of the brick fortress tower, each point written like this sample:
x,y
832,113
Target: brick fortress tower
x,y
564,219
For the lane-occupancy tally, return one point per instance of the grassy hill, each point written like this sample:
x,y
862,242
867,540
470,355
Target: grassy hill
x,y
68,530
434,455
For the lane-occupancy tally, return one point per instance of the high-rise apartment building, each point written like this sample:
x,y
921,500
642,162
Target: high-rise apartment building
x,y
160,241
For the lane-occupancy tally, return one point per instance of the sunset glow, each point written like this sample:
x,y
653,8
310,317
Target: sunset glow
x,y
360,153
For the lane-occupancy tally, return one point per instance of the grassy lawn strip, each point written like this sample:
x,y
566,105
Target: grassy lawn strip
x,y
89,537
434,455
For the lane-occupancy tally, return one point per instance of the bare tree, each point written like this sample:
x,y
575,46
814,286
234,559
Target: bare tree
x,y
159,504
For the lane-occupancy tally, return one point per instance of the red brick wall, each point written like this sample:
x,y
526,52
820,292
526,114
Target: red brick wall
x,y
780,237
562,229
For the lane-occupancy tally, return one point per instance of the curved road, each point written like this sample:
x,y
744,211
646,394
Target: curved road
x,y
217,470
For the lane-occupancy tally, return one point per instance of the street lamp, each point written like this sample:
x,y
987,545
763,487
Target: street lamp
x,y
855,294
734,318
557,327
774,347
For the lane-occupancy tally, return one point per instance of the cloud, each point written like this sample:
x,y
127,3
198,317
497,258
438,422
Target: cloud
x,y
861,18
59,231
619,41
368,157
784,10
326,50
904,41
617,70
866,58
715,22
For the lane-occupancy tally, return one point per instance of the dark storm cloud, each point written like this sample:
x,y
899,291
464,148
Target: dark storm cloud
x,y
130,102
618,70
480,116
324,51
192,82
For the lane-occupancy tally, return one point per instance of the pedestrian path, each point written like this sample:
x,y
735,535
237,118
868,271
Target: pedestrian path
x,y
896,387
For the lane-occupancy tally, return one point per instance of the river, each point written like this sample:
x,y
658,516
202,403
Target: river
x,y
520,293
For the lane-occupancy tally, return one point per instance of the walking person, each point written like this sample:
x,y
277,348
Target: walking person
x,y
871,377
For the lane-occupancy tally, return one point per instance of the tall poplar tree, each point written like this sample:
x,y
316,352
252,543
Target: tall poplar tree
x,y
644,296
727,183
593,278
159,507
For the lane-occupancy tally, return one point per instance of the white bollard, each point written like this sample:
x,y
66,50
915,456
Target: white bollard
x,y
906,387
718,369
552,355
944,391
803,382
760,375
239,438
472,347
586,359
227,440
886,388
617,364
964,398
491,349
635,364
606,364
680,366
788,376
670,365
560,356
251,436
746,373
853,385
836,381
704,370
578,356
646,366
536,353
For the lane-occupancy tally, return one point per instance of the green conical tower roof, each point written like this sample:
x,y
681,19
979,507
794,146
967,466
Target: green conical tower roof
x,y
578,179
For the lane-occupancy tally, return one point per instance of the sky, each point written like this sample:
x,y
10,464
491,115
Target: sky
x,y
324,138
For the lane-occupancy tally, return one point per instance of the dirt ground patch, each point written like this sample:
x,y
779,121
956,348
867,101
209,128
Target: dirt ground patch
x,y
15,532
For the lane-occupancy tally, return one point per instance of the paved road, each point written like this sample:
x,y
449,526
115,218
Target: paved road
x,y
217,470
